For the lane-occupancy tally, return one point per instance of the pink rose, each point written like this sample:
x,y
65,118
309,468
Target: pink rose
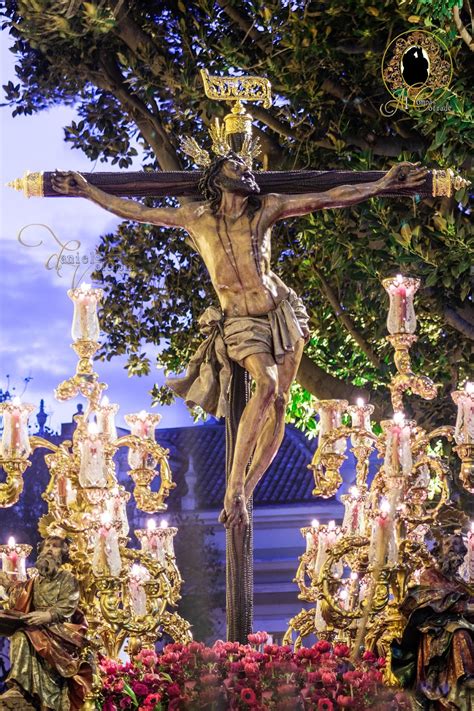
x,y
345,701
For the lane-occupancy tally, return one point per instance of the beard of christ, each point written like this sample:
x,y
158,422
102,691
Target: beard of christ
x,y
213,183
47,565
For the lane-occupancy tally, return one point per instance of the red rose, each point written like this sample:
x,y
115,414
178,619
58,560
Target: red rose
x,y
153,699
369,657
248,695
325,705
140,689
322,646
341,650
173,690
328,678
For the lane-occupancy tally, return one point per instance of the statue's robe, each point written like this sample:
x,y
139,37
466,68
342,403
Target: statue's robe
x,y
46,660
436,653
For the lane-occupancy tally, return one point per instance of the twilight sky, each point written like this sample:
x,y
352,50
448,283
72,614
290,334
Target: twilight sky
x,y
35,311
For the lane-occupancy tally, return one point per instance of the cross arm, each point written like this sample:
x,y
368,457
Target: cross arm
x,y
74,184
408,175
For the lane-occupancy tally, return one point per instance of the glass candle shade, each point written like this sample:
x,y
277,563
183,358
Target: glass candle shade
x,y
157,542
354,513
360,417
398,455
85,322
330,418
137,577
105,414
92,471
14,557
116,506
106,558
15,442
401,315
464,428
142,425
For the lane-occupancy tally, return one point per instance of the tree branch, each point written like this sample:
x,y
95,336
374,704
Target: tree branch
x,y
454,318
244,23
466,37
326,387
149,124
346,320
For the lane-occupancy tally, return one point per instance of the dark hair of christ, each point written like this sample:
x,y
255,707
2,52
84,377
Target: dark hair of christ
x,y
213,193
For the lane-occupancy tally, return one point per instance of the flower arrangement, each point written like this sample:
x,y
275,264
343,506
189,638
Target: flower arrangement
x,y
256,676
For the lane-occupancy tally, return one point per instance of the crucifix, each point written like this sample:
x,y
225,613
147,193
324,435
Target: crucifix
x,y
260,328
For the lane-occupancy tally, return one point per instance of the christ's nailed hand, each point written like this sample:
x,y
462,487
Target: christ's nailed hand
x,y
406,175
69,183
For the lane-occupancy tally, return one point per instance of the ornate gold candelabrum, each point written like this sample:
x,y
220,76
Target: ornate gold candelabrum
x,y
125,593
357,575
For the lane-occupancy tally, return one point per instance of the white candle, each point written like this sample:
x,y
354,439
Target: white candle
x,y
330,418
142,425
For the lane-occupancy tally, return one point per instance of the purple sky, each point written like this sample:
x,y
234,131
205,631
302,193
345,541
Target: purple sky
x,y
35,311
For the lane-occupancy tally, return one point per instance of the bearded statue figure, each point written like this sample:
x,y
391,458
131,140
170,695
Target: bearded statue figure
x,y
47,635
436,653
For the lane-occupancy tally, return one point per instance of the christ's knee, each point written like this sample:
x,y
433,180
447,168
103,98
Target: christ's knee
x,y
266,390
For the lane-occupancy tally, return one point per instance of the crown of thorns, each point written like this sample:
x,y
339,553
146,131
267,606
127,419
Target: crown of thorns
x,y
220,147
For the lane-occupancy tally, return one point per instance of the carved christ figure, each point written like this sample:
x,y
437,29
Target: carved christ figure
x,y
262,324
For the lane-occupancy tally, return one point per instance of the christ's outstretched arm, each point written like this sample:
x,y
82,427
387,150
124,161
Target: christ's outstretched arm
x,y
72,183
409,175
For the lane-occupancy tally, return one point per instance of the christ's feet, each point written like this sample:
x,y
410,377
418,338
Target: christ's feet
x,y
234,512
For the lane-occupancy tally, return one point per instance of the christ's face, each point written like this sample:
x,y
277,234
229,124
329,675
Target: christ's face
x,y
235,177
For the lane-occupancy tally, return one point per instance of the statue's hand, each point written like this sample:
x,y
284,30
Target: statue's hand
x,y
407,175
70,183
37,618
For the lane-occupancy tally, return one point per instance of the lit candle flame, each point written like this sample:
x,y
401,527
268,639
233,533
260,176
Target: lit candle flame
x,y
105,401
16,401
315,523
343,594
399,279
84,287
143,414
11,542
354,576
469,387
331,525
164,523
151,524
360,402
354,491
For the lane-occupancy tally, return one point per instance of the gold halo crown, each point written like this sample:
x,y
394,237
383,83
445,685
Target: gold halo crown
x,y
220,147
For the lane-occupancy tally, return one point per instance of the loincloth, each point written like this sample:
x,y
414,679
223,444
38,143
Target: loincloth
x,y
234,338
